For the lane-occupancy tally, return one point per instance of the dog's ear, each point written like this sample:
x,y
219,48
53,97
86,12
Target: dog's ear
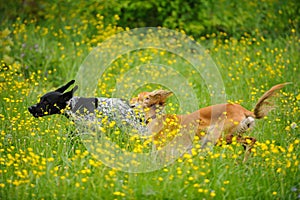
x,y
63,88
155,95
160,94
68,95
74,89
166,93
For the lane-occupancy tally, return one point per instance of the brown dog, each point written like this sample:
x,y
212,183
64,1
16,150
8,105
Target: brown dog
x,y
221,121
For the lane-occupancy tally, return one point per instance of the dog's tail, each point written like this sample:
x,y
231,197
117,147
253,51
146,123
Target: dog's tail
x,y
264,105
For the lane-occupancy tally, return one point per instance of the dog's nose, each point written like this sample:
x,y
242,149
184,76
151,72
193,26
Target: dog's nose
x,y
31,108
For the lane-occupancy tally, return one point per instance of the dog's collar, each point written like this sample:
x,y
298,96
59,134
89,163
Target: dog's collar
x,y
81,105
72,102
70,105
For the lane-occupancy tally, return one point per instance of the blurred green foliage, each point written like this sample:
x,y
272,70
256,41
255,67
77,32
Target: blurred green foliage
x,y
197,18
56,35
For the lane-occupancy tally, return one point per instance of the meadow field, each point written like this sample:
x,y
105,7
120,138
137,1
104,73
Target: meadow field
x,y
43,46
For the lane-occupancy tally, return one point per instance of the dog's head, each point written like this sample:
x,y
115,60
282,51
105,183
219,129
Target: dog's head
x,y
53,102
149,99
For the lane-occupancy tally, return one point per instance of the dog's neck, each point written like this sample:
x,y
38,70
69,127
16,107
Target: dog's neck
x,y
153,112
81,105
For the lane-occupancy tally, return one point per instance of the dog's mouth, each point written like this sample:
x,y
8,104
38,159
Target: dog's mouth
x,y
33,111
36,115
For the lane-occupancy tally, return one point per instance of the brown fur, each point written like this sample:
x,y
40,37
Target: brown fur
x,y
217,121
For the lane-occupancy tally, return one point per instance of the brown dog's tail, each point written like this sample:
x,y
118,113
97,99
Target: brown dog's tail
x,y
263,105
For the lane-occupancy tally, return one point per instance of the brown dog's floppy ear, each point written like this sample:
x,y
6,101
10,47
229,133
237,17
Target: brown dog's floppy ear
x,y
155,95
160,95
166,93
63,88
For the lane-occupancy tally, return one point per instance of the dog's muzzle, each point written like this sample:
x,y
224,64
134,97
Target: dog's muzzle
x,y
32,110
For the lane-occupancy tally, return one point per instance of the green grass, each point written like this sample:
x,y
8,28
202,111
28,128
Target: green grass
x,y
41,160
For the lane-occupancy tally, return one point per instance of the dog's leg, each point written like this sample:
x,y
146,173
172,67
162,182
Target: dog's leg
x,y
213,135
247,143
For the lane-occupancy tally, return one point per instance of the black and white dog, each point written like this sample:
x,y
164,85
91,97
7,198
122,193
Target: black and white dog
x,y
82,109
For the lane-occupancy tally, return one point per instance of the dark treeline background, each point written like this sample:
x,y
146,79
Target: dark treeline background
x,y
197,18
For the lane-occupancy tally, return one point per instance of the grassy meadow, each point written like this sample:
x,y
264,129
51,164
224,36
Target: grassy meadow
x,y
41,160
